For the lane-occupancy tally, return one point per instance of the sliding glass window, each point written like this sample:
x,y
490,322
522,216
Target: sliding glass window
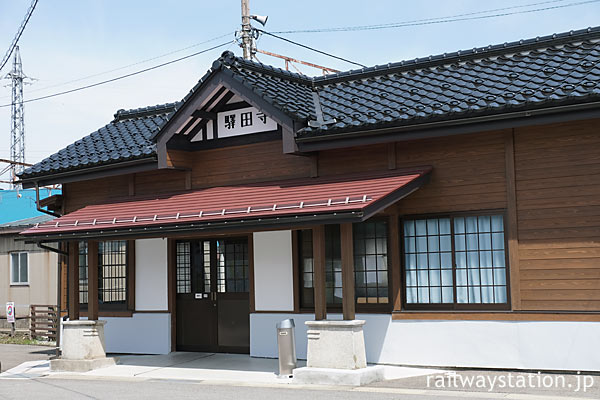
x,y
455,262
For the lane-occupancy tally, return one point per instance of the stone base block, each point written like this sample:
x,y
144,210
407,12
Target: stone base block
x,y
336,344
83,340
63,365
342,377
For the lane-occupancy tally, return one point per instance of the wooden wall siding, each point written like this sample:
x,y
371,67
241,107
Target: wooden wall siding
x,y
558,205
82,193
468,173
557,183
354,159
244,164
180,158
161,181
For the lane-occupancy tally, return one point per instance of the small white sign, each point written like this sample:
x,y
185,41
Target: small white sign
x,y
243,122
10,312
198,296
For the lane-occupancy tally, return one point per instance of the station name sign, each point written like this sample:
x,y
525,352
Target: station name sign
x,y
243,121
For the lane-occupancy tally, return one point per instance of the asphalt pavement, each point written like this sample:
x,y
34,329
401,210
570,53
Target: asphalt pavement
x,y
175,384
12,355
99,388
484,382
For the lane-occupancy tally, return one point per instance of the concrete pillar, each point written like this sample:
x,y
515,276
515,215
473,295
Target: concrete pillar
x,y
336,355
83,347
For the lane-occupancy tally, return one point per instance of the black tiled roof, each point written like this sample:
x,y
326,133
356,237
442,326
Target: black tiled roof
x,y
126,138
529,74
526,75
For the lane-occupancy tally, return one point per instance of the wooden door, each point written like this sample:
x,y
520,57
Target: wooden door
x,y
213,308
233,301
196,302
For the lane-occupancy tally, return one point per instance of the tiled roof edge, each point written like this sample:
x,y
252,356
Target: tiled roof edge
x,y
228,59
141,112
307,135
461,55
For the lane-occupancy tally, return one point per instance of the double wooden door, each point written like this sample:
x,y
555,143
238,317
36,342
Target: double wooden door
x,y
213,308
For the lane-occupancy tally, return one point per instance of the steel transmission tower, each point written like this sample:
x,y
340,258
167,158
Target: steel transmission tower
x,y
17,123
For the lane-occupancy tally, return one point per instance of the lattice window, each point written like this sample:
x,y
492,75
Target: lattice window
x,y
206,266
370,262
455,260
112,275
184,266
83,272
333,266
232,266
480,259
428,261
306,268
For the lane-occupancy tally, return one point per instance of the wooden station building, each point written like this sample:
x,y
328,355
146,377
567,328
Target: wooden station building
x,y
452,202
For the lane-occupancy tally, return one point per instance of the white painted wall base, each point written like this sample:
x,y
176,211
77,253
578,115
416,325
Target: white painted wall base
x,y
143,333
486,344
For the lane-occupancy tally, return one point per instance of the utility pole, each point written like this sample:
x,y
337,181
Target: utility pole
x,y
246,34
17,123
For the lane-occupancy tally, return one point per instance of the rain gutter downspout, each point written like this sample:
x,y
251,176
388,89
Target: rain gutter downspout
x,y
37,202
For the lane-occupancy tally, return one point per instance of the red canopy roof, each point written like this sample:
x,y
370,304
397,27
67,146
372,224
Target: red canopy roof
x,y
356,195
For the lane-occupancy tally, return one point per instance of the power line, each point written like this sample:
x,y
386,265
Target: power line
x,y
130,65
312,48
443,20
122,76
12,46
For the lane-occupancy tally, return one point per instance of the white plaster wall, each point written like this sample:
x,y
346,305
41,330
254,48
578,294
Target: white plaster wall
x,y
146,333
487,344
273,271
151,288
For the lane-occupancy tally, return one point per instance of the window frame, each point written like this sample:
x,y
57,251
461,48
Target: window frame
x,y
367,308
129,279
333,308
12,280
378,308
125,304
454,306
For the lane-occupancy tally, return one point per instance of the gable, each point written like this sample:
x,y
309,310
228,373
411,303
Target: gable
x,y
220,112
234,119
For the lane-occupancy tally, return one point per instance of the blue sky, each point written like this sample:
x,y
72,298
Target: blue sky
x,y
71,39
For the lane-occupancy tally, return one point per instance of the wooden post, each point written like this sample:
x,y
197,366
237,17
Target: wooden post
x,y
251,273
131,275
319,272
73,280
394,263
347,246
64,273
296,271
93,280
512,220
172,279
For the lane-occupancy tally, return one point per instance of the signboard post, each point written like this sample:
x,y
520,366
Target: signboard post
x,y
10,316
